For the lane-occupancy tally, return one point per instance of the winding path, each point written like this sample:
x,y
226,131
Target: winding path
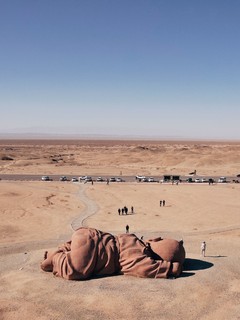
x,y
90,209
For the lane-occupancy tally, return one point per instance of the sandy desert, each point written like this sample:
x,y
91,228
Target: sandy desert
x,y
37,216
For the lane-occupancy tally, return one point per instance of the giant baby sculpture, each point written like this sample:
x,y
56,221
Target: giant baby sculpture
x,y
92,253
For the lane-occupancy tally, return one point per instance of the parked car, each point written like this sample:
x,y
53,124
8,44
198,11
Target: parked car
x,y
100,179
204,180
189,180
88,179
63,178
222,180
74,179
120,180
139,177
112,179
82,178
198,180
46,178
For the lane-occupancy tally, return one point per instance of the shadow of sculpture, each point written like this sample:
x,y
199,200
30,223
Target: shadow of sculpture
x,y
196,264
187,274
191,265
217,256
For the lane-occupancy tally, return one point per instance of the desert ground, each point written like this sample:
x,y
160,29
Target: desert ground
x,y
37,216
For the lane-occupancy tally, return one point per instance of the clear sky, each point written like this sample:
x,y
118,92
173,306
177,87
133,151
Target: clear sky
x,y
142,68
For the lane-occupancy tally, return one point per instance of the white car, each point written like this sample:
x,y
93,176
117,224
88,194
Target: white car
x,y
74,179
82,178
46,178
120,180
63,178
100,179
198,180
138,177
222,180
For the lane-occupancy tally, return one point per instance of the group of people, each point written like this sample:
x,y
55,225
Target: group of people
x,y
124,210
162,203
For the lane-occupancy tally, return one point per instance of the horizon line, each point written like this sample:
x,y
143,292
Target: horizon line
x,y
78,136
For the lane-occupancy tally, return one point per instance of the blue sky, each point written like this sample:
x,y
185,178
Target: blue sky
x,y
134,68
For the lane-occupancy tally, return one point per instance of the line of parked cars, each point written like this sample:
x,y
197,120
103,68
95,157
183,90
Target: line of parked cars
x,y
145,179
112,179
202,180
139,178
210,180
99,179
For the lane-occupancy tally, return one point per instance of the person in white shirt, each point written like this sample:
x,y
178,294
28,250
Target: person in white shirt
x,y
203,248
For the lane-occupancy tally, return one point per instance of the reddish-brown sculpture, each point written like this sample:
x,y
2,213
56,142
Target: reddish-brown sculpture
x,y
92,253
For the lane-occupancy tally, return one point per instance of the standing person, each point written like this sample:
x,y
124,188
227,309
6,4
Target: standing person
x,y
132,209
123,211
160,203
107,181
163,203
203,248
119,211
127,228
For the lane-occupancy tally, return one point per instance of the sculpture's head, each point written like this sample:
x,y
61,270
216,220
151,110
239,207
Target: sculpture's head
x,y
168,249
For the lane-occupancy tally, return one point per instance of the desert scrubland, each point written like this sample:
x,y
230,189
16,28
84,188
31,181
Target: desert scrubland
x,y
113,156
39,215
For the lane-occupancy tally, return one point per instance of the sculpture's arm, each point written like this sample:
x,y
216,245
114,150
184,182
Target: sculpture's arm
x,y
146,267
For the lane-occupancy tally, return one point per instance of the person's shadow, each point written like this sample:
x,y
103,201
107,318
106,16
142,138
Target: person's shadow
x,y
191,265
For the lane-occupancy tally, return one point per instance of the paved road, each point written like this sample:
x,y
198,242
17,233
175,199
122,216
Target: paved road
x,y
37,177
